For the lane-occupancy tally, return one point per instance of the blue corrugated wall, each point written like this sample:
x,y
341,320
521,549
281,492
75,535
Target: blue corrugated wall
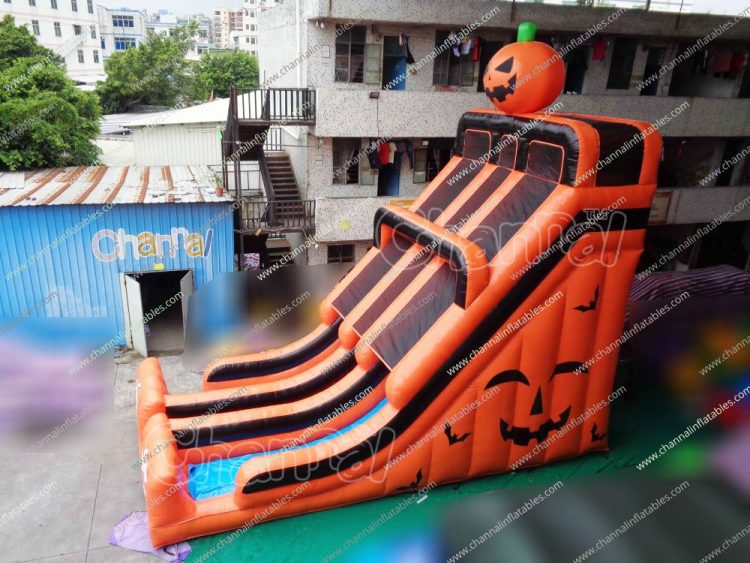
x,y
48,250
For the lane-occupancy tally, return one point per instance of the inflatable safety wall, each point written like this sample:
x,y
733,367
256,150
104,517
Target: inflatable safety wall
x,y
475,337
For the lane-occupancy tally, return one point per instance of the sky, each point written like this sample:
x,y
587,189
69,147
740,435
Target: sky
x,y
179,7
184,7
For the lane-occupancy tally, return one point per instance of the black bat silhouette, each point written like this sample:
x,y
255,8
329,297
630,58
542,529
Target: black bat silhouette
x,y
592,304
454,438
413,485
595,436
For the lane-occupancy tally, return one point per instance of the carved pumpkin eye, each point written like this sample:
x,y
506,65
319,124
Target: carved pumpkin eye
x,y
569,367
505,66
507,376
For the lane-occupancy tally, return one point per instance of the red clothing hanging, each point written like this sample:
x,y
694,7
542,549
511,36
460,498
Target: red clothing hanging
x,y
599,49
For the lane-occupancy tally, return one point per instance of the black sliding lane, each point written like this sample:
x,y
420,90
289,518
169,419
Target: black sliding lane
x,y
203,436
231,372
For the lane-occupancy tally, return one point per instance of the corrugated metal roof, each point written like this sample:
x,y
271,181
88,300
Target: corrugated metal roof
x,y
210,112
115,185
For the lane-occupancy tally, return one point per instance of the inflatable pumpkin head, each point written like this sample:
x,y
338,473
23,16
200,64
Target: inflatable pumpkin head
x,y
525,76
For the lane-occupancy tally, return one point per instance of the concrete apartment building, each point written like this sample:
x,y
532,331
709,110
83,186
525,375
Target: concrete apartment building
x,y
68,27
227,25
164,22
120,29
248,38
352,53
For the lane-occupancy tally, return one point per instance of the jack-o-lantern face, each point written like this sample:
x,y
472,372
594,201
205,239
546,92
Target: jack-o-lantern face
x,y
520,435
524,77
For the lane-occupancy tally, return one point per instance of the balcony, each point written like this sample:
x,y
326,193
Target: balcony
x,y
352,113
278,216
507,15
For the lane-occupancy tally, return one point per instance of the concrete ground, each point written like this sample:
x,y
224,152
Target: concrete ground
x,y
94,489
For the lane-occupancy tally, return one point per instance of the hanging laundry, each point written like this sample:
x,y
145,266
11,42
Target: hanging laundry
x,y
599,49
454,43
466,46
383,153
409,57
722,62
406,147
391,152
737,63
373,156
475,50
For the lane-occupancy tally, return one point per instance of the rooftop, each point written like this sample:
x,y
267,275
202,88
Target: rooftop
x,y
100,185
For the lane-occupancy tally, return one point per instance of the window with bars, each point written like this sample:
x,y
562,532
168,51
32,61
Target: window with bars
x,y
340,253
350,163
350,54
430,160
122,43
450,70
123,21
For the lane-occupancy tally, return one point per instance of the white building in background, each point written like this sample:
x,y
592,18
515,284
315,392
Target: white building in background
x,y
68,27
120,29
247,38
164,22
228,24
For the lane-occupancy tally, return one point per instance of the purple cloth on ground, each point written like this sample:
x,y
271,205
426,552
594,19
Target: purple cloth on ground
x,y
132,533
732,458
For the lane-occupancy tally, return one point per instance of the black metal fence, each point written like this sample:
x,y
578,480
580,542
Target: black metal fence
x,y
278,215
283,105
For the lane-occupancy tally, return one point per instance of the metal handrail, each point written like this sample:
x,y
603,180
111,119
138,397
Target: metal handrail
x,y
278,215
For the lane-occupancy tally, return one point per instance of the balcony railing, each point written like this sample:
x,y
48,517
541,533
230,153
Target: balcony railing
x,y
278,215
280,105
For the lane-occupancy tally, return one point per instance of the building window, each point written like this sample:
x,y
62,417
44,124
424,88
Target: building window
x,y
90,5
80,56
96,56
431,160
123,21
253,27
350,54
247,40
350,163
74,5
104,44
32,2
122,43
340,253
253,41
35,27
76,29
251,13
58,29
450,70
53,4
621,67
93,31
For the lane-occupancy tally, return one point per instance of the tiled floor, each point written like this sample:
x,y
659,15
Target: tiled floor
x,y
86,492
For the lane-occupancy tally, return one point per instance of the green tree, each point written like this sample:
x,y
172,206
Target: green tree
x,y
217,72
45,120
154,73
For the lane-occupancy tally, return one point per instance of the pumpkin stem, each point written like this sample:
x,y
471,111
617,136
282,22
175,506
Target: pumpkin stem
x,y
526,32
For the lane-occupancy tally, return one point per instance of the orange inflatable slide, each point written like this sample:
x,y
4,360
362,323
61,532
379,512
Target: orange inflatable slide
x,y
461,345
